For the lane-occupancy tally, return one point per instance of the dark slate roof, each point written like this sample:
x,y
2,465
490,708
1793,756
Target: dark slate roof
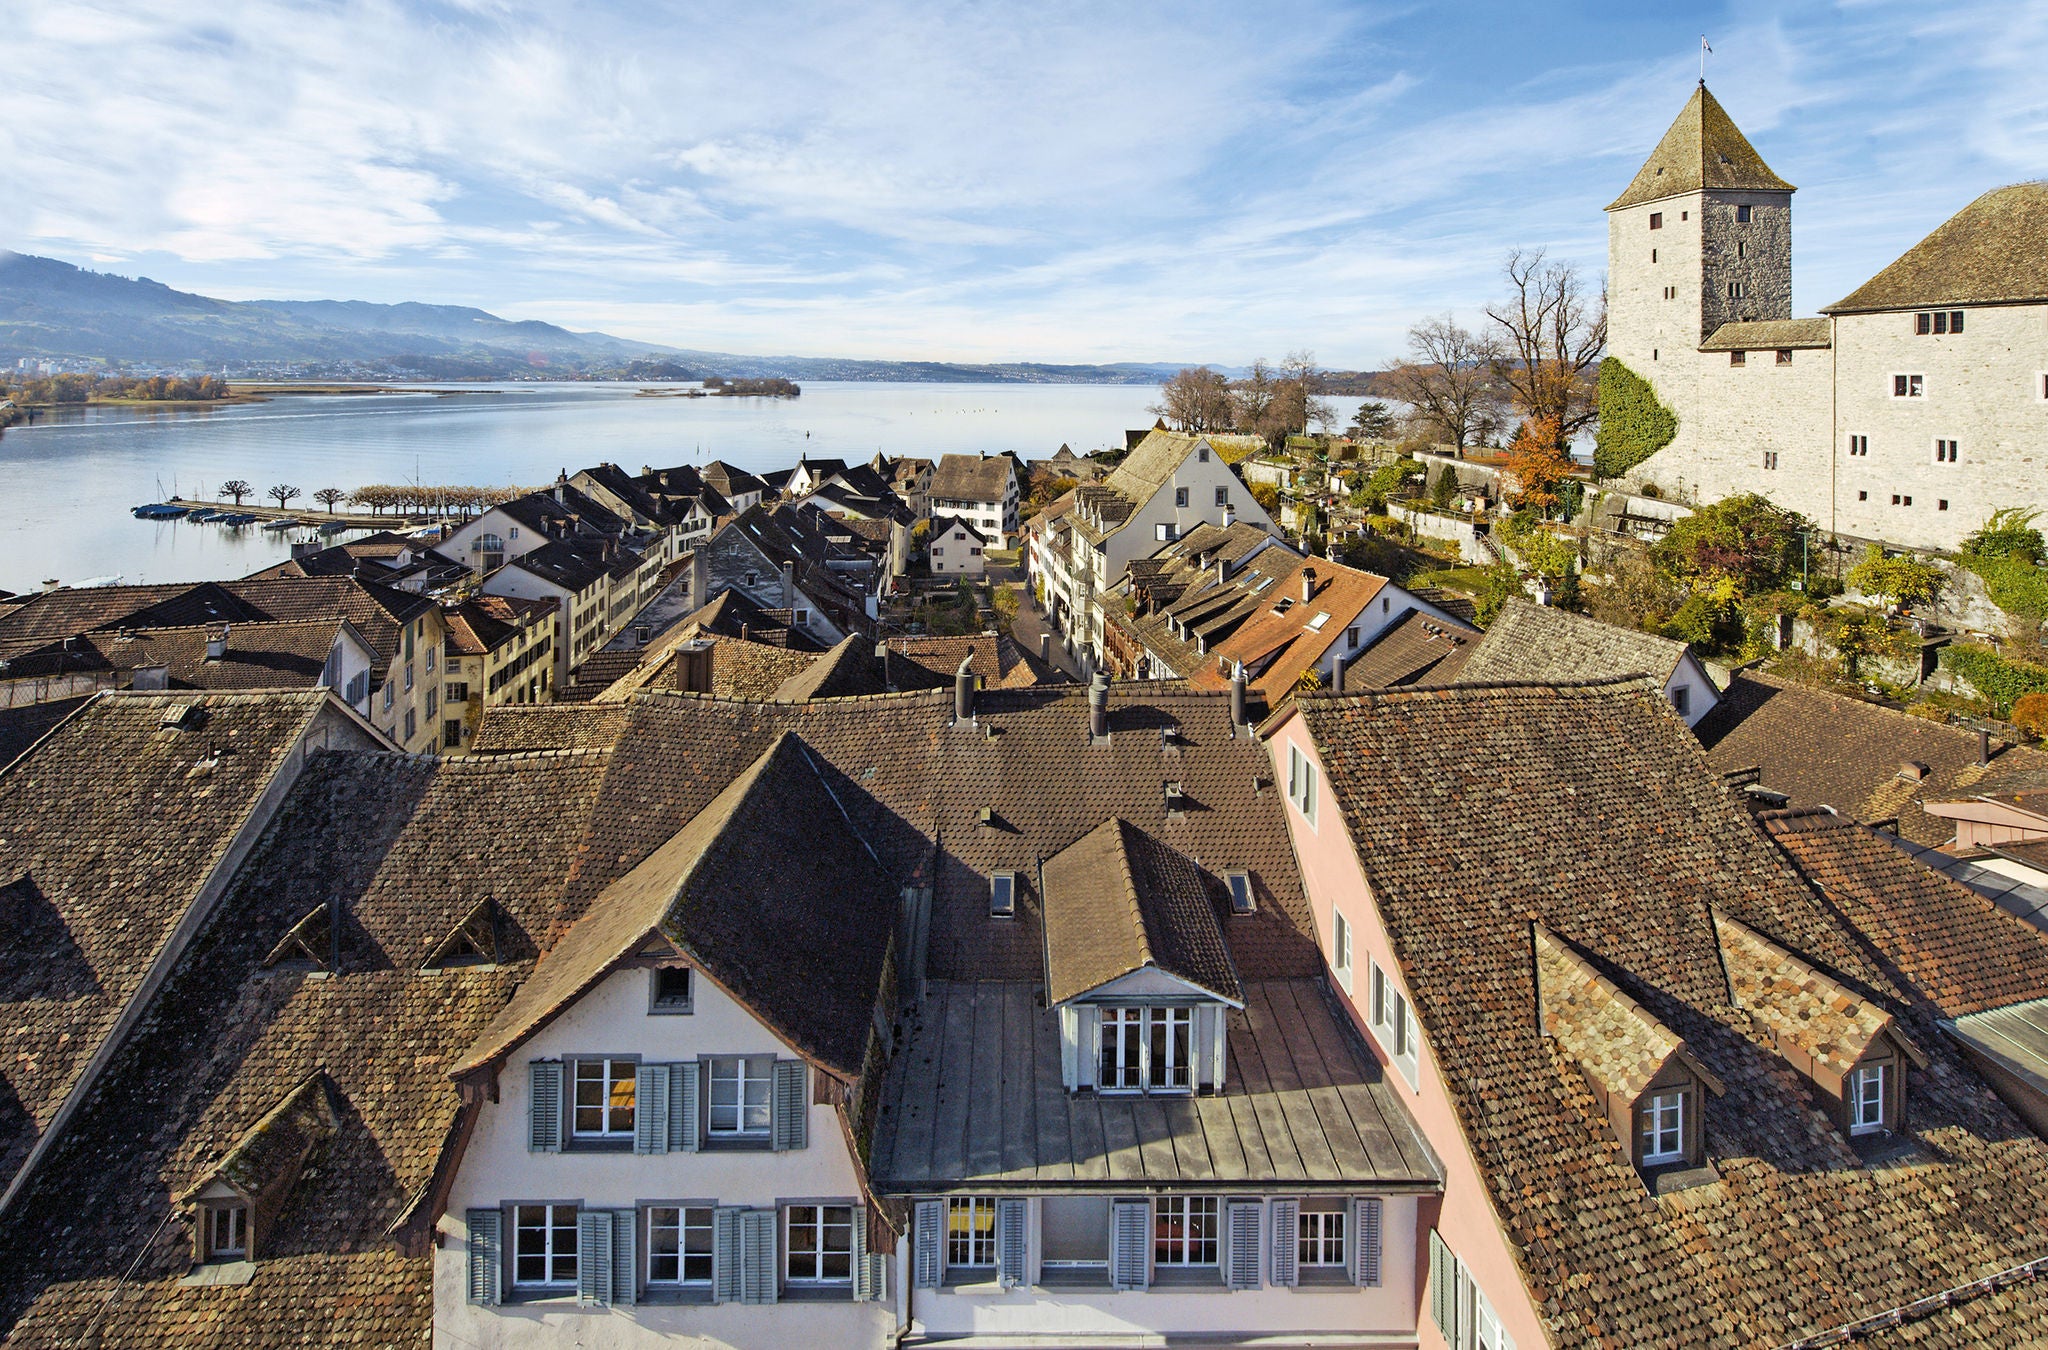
x,y
409,845
562,509
572,564
622,485
1479,812
943,525
110,829
598,672
974,478
1528,641
1414,648
1826,749
758,884
379,613
1759,335
1118,901
849,668
975,1104
61,613
1702,149
1993,251
286,655
1952,946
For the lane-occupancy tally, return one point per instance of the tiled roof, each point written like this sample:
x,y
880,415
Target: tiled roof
x,y
973,478
729,481
1993,251
1117,901
1414,648
944,525
598,672
849,668
1760,335
287,655
99,879
1826,749
407,845
61,613
1151,464
1476,811
1281,638
572,564
972,1103
1702,149
1797,1005
930,662
1953,946
1528,641
511,728
24,725
483,623
1610,1036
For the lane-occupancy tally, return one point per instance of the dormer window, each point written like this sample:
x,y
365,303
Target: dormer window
x,y
1002,895
1661,1128
1868,1099
1146,1049
227,1232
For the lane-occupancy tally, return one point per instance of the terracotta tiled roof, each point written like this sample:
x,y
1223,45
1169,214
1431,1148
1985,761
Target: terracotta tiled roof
x,y
971,478
1477,811
930,662
1993,251
1528,641
1610,1036
1799,1006
1414,648
1825,749
597,674
510,728
1117,901
1702,149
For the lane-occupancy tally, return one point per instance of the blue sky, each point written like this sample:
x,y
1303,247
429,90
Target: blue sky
x,y
972,181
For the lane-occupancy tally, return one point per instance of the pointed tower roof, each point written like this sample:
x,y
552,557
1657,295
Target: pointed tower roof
x,y
1703,149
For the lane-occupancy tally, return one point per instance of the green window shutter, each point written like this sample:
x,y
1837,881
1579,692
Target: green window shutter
x,y
683,1111
486,1255
758,1282
1366,1260
1243,1268
593,1257
867,1265
1443,1288
1011,1218
931,1227
1129,1259
728,1257
650,1109
1286,1243
625,1271
545,1103
790,1106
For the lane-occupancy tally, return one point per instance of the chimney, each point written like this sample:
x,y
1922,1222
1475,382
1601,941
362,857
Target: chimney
x,y
1098,705
1308,584
963,690
692,671
1337,676
1045,647
1229,515
789,587
745,629
1222,571
1237,712
1983,747
217,647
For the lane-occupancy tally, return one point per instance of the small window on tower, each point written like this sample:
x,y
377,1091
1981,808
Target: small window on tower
x,y
1653,255
1656,220
1738,358
1742,215
1770,459
1784,356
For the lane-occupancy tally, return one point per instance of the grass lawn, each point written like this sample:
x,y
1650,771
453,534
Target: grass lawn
x,y
1467,579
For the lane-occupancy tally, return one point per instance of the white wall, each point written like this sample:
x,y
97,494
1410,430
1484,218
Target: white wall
x,y
497,1168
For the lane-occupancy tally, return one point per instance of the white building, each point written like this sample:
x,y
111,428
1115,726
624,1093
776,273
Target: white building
x,y
1909,412
980,489
956,548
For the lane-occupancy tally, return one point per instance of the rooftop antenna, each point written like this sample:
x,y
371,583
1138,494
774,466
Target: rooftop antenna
x,y
1705,52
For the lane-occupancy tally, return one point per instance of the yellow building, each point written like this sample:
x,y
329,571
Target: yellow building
x,y
500,649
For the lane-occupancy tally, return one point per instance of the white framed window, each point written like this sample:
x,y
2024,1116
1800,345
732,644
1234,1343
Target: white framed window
x,y
1663,1128
1487,1332
1145,1050
1320,1239
1909,386
818,1241
604,1100
1301,783
740,1089
1185,1231
1242,901
430,658
970,1231
679,1244
1169,1048
544,1246
1223,496
1122,1067
1340,948
1867,1098
227,1232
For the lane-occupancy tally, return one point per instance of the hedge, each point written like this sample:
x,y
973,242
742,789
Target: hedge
x,y
1633,424
2015,585
1998,678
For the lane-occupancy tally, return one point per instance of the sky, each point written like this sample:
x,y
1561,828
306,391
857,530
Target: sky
x,y
980,180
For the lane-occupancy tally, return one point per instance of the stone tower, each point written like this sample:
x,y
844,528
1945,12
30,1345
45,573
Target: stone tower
x,y
1701,238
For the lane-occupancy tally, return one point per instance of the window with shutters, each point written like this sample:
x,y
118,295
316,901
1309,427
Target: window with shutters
x,y
740,1097
544,1248
679,1245
1301,783
1186,1231
1393,1024
818,1245
602,1107
970,1232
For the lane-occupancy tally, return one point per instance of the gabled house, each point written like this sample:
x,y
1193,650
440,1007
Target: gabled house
x,y
596,587
768,558
980,489
742,490
658,531
811,474
293,654
510,530
1528,641
956,548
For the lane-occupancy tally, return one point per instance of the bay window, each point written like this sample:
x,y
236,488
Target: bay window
x,y
1146,1050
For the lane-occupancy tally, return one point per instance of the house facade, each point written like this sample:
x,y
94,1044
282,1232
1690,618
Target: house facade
x,y
979,489
956,548
500,650
1908,411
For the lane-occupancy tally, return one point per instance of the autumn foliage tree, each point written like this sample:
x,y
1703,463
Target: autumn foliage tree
x,y
1550,332
1538,464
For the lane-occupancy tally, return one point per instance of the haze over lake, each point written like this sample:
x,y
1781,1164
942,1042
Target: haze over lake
x,y
68,481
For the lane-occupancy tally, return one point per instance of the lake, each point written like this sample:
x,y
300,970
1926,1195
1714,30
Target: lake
x,y
68,481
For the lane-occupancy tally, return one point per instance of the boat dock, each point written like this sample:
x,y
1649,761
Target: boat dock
x,y
312,517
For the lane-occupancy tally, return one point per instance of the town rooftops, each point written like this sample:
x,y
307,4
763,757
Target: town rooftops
x,y
1528,641
973,478
484,623
564,510
1589,810
571,564
729,481
1702,149
1118,901
931,662
1992,252
1761,335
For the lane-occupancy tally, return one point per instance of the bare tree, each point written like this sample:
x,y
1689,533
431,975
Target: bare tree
x,y
236,488
1447,377
1252,397
1552,332
1197,399
284,492
328,496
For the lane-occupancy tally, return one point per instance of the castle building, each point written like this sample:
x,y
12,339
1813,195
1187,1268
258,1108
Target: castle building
x,y
1907,412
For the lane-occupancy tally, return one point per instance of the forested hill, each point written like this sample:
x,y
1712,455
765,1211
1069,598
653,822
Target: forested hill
x,y
52,309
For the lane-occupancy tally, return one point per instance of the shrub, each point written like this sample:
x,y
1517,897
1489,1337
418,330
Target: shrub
x,y
2030,714
2009,533
1903,580
2000,679
1633,424
1503,583
1744,538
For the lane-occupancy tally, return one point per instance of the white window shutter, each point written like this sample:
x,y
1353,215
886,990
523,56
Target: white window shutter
x,y
1366,1259
790,1105
1011,1218
593,1257
869,1267
728,1257
1443,1289
1244,1244
650,1109
758,1283
545,1104
930,1225
1128,1258
486,1255
625,1271
683,1110
1286,1240
1468,1320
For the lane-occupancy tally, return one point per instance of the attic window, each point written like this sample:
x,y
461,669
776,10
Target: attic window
x,y
670,990
1267,581
473,943
1315,625
311,939
1176,799
1241,899
227,1232
181,716
1002,895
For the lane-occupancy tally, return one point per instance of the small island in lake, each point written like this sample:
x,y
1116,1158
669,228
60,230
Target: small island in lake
x,y
716,386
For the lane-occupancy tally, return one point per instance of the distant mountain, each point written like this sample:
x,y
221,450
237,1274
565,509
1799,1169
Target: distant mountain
x,y
53,310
